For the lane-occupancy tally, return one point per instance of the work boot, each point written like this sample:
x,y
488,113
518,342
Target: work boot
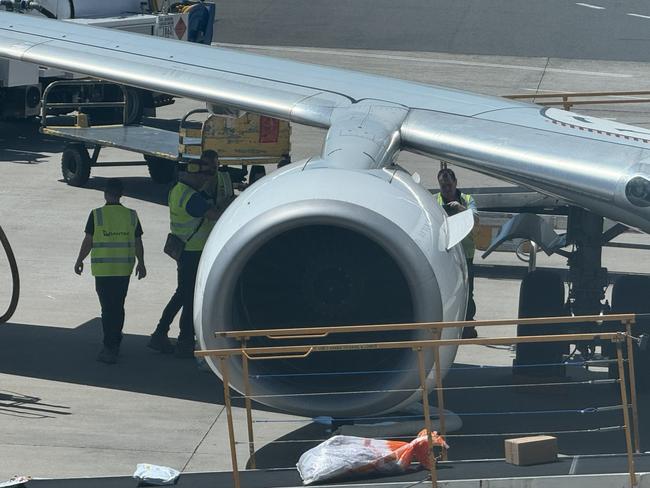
x,y
160,343
107,355
184,349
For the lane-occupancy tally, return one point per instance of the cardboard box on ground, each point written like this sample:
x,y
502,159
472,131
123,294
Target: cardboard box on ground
x,y
525,451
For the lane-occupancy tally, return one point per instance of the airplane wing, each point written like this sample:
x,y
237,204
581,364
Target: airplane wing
x,y
600,165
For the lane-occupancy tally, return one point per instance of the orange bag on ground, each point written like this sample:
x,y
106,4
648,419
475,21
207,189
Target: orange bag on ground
x,y
343,456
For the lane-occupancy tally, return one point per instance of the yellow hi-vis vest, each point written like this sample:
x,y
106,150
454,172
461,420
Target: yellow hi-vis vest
x,y
113,251
468,241
223,190
194,231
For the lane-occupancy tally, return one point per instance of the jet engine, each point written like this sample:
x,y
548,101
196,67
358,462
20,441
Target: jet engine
x,y
311,245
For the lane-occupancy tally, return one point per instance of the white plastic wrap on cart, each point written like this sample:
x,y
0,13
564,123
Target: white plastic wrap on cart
x,y
347,456
15,481
150,474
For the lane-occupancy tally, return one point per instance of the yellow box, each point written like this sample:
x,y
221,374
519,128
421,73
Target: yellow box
x,y
251,138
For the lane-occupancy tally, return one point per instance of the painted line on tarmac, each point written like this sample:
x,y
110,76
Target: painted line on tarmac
x,y
351,53
588,5
640,16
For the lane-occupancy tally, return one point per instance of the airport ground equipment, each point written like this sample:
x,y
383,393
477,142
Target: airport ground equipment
x,y
245,140
21,84
15,278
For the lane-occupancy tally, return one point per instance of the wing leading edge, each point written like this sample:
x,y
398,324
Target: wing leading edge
x,y
587,161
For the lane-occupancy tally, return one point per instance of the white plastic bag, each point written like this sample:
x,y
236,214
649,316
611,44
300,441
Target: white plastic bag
x,y
156,475
15,481
344,455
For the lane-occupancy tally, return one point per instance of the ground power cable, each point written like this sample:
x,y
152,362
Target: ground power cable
x,y
15,278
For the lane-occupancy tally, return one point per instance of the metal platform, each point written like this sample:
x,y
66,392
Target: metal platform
x,y
447,471
137,138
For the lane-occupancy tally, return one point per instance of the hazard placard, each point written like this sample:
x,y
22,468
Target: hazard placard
x,y
180,27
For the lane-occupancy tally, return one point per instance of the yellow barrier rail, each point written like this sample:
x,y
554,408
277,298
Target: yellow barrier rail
x,y
569,99
630,424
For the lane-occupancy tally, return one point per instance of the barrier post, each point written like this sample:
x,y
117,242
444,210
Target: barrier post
x,y
441,399
249,408
231,429
427,417
626,413
630,368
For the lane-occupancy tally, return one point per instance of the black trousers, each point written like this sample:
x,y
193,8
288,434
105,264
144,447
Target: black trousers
x,y
183,298
471,305
111,291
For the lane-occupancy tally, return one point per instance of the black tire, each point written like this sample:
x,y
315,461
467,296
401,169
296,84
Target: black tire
x,y
75,165
109,116
541,295
161,170
135,106
630,295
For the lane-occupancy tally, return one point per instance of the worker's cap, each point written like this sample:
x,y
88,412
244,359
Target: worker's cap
x,y
114,187
206,164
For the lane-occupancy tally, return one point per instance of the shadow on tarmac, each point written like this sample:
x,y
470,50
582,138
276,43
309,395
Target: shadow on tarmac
x,y
14,404
22,143
68,355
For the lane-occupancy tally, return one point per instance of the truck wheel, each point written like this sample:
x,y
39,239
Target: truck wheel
x,y
161,170
135,105
630,295
541,295
75,164
110,116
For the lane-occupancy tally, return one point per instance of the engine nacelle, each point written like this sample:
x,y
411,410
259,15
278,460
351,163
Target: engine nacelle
x,y
318,246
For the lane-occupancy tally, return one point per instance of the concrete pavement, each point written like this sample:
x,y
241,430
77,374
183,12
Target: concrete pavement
x,y
596,29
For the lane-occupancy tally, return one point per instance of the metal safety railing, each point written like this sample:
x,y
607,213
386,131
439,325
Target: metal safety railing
x,y
568,99
619,339
47,106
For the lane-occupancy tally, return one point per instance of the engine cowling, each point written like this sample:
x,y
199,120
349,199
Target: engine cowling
x,y
318,246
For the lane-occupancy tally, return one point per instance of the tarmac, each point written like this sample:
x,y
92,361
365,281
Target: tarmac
x,y
62,414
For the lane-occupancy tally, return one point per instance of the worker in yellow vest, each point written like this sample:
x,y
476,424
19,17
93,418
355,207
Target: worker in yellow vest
x,y
223,191
192,212
453,201
113,240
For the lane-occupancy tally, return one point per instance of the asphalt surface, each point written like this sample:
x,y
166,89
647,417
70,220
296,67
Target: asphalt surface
x,y
595,29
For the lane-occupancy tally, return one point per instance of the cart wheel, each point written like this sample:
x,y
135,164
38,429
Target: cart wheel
x,y
161,170
75,165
